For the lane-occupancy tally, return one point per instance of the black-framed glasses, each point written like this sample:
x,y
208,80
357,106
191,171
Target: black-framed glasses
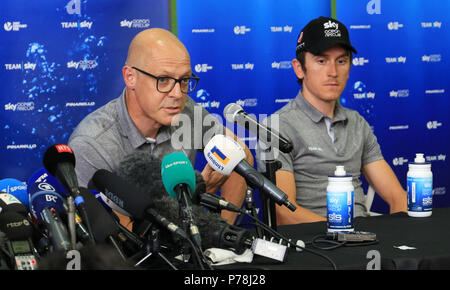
x,y
166,84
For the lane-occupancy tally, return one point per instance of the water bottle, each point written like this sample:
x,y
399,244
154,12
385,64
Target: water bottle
x,y
420,187
340,201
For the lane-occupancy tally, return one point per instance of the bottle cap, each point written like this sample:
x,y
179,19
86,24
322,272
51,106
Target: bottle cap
x,y
340,171
419,158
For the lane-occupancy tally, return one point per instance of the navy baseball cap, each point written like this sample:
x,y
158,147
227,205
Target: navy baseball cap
x,y
322,33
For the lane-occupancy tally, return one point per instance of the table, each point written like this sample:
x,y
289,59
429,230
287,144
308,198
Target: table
x,y
429,236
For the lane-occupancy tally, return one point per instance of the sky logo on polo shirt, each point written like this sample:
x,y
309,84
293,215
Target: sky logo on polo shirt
x,y
219,155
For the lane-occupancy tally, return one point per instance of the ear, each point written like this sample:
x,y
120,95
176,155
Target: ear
x,y
129,76
298,68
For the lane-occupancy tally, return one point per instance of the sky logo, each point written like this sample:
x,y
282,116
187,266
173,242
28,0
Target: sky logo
x,y
219,155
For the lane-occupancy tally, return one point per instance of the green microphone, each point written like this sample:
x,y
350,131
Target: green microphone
x,y
178,177
176,169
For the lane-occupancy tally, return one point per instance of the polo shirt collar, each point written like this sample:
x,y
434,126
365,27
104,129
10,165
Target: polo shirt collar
x,y
129,129
314,114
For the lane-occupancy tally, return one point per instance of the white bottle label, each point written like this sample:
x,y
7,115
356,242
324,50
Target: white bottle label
x,y
340,210
420,194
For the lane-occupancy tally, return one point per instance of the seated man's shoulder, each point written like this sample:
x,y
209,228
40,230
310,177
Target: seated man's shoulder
x,y
97,122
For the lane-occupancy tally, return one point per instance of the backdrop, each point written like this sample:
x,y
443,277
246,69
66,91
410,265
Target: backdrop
x,y
62,59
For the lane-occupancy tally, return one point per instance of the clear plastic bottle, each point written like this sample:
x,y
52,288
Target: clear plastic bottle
x,y
420,187
340,201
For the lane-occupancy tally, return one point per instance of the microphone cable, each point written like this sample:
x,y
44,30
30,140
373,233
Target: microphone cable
x,y
325,239
281,237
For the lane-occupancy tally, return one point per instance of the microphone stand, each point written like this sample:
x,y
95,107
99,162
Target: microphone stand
x,y
71,221
153,246
250,208
268,205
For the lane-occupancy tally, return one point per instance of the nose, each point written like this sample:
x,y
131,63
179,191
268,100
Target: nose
x,y
176,91
332,70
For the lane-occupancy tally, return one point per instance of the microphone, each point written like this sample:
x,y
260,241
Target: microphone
x,y
226,155
235,114
59,161
214,202
132,199
141,206
178,177
9,202
144,170
20,248
15,187
47,181
41,180
46,206
104,227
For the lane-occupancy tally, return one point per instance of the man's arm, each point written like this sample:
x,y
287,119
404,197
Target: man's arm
x,y
383,180
286,182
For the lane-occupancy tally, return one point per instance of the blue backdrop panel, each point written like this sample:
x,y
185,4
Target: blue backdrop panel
x,y
400,82
242,52
60,61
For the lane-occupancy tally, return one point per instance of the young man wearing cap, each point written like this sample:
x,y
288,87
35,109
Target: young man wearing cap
x,y
324,133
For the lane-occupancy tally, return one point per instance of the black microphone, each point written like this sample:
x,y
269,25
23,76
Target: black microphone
x,y
131,198
59,161
9,202
104,226
143,170
214,202
235,114
137,203
20,248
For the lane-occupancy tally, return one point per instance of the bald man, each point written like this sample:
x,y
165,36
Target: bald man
x,y
157,77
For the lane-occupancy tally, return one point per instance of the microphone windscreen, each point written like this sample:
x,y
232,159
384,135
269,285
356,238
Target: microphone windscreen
x,y
16,188
15,226
103,224
230,111
124,194
9,202
56,154
144,171
207,222
177,169
43,199
47,181
223,154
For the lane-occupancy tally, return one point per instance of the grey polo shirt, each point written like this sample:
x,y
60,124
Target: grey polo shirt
x,y
320,144
107,135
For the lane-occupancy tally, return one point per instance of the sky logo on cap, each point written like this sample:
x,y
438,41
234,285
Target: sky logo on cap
x,y
219,155
330,24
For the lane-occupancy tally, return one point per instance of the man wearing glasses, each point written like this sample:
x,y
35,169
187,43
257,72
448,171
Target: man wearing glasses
x,y
158,77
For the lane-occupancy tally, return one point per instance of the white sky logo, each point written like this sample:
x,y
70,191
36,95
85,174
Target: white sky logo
x,y
135,23
204,67
17,66
82,64
14,26
394,26
433,124
241,29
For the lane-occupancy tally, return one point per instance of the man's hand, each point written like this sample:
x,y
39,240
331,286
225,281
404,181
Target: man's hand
x,y
213,179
